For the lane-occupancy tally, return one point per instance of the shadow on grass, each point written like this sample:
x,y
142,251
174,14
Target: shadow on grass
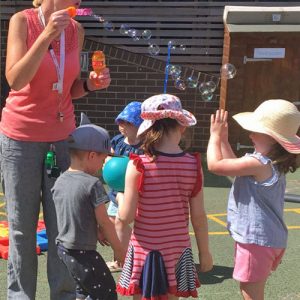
x,y
216,275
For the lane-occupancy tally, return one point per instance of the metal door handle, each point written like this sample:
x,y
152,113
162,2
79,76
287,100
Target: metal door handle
x,y
246,59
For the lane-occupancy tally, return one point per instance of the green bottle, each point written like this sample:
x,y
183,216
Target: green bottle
x,y
49,161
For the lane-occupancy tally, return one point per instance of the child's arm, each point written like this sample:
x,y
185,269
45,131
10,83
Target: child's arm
x,y
199,222
127,203
219,164
109,232
226,149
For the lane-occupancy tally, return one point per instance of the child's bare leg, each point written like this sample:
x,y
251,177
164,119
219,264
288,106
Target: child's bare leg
x,y
253,290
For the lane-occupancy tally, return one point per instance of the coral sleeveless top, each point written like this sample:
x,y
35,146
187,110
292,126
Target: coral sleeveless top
x,y
30,114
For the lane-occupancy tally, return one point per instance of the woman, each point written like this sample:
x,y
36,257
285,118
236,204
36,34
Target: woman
x,y
43,71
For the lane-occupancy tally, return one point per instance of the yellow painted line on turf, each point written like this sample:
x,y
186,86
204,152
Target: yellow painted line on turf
x,y
214,233
296,210
2,214
213,218
2,204
1,194
293,227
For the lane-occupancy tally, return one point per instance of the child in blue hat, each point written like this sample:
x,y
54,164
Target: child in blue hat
x,y
124,143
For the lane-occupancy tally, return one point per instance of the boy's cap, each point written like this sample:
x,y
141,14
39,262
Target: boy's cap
x,y
90,137
131,113
161,107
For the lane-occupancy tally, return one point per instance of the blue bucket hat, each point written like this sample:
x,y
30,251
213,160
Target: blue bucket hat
x,y
131,113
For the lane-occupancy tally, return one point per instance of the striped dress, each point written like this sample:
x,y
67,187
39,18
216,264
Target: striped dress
x,y
159,258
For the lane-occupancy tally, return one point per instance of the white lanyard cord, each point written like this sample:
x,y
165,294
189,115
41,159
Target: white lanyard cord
x,y
60,68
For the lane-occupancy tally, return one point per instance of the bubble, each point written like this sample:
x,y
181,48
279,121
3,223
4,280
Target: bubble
x,y
228,71
172,44
175,71
153,49
180,85
207,97
146,34
99,18
182,47
206,90
207,87
109,26
124,29
192,82
132,32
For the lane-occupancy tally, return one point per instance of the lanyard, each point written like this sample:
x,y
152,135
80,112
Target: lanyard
x,y
60,67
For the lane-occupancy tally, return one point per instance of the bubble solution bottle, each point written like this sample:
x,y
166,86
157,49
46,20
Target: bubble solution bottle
x,y
98,61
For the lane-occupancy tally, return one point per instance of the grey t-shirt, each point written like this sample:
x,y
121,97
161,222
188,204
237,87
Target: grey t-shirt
x,y
76,195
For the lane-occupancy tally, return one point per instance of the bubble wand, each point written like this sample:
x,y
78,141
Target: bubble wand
x,y
167,67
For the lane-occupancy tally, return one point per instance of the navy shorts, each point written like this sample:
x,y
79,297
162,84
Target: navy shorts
x,y
90,272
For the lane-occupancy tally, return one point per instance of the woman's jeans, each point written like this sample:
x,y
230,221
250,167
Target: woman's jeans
x,y
26,185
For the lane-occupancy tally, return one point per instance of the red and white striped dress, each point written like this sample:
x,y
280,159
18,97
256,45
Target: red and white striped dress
x,y
160,247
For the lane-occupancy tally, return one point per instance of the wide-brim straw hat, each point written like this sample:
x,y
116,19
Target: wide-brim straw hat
x,y
161,107
277,118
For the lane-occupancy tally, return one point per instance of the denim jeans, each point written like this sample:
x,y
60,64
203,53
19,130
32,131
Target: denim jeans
x,y
26,185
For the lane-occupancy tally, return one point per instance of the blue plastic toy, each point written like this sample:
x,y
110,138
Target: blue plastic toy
x,y
114,172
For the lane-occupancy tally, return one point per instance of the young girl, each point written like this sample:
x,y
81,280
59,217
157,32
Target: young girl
x,y
161,188
128,120
256,200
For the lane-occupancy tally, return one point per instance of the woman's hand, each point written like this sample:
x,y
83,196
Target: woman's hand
x,y
58,21
99,81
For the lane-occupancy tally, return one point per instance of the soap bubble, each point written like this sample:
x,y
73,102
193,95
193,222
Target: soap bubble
x,y
180,85
124,29
153,49
207,97
146,34
98,18
228,71
174,71
182,47
172,44
206,90
109,26
192,82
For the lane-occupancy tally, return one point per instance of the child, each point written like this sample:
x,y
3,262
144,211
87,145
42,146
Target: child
x,y
124,143
256,200
79,199
161,188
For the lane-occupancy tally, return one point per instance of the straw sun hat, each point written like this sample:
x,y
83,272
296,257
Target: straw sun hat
x,y
277,118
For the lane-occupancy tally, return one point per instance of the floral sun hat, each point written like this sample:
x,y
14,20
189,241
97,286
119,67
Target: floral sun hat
x,y
277,118
131,113
161,107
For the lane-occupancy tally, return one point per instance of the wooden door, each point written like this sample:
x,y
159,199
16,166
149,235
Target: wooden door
x,y
260,79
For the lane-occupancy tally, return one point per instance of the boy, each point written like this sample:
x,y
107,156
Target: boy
x,y
79,199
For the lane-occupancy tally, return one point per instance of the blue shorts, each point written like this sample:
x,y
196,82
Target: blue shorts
x,y
113,204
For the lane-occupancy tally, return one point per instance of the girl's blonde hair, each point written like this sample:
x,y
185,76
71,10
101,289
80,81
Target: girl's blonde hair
x,y
154,134
37,3
285,161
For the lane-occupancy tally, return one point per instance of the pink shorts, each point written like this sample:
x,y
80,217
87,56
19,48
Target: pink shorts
x,y
253,263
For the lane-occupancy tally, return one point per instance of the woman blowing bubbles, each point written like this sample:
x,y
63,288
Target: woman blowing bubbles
x,y
43,71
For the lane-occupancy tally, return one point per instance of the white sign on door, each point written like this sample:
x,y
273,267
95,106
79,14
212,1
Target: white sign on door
x,y
269,53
